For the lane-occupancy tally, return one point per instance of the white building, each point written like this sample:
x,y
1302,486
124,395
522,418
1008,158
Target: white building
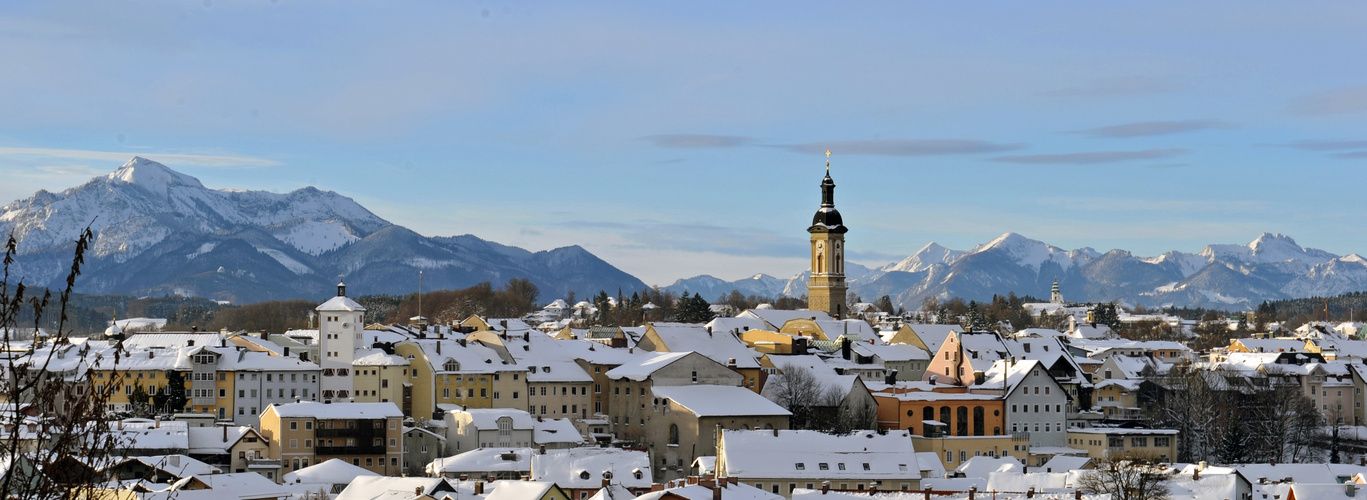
x,y
340,323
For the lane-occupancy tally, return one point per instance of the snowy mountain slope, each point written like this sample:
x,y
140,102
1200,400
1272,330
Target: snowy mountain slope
x,y
1271,266
161,231
927,256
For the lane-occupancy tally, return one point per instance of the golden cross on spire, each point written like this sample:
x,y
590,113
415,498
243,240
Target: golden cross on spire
x,y
828,161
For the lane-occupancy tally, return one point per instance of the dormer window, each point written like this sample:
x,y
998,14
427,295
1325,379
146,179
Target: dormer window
x,y
823,466
800,466
451,365
546,369
533,368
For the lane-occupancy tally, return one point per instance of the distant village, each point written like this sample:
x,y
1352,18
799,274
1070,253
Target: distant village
x,y
837,400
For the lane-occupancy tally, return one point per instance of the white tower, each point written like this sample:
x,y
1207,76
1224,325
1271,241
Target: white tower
x,y
341,322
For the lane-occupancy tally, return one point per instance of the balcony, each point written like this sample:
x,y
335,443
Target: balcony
x,y
263,463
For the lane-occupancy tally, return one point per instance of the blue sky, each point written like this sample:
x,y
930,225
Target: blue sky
x,y
677,140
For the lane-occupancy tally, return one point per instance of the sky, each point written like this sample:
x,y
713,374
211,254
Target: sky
x,y
687,138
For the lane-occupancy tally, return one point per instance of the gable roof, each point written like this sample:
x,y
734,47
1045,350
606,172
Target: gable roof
x,y
862,455
719,400
641,368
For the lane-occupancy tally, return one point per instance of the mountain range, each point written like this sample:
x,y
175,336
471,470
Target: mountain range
x,y
1272,266
159,232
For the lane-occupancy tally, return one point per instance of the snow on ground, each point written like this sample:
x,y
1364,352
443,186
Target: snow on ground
x,y
316,237
294,266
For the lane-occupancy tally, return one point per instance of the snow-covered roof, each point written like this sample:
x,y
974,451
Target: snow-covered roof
x,y
392,488
144,341
377,357
891,352
518,490
982,466
555,430
481,460
340,303
740,491
215,440
333,471
582,468
775,318
720,346
862,455
337,410
1041,482
719,400
641,368
487,418
176,465
933,336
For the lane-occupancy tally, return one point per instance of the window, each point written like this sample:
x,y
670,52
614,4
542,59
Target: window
x,y
1139,442
866,466
823,466
294,425
800,466
841,466
674,436
1162,441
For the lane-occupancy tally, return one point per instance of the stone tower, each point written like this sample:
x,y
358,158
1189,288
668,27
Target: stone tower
x,y
826,288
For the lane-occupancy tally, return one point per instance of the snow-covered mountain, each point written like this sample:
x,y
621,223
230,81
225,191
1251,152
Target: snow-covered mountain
x,y
711,288
1271,266
159,231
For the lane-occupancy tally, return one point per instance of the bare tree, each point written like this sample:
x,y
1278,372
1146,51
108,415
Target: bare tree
x,y
799,391
1127,477
1288,426
53,430
1189,405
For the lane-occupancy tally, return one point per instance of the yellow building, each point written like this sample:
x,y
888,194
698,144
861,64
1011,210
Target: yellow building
x,y
953,451
1099,443
368,435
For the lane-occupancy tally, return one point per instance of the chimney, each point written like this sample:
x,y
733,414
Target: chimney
x,y
845,349
417,491
1350,489
873,490
1196,474
225,433
657,487
825,487
973,491
775,432
1030,493
191,343
927,492
479,487
542,449
156,422
1077,495
891,378
438,348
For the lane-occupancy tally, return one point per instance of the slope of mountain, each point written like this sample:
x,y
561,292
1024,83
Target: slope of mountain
x,y
1270,267
159,231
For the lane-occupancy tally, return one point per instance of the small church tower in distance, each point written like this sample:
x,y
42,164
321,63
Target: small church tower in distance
x,y
826,288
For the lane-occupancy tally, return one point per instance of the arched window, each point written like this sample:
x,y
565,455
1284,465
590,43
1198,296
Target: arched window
x,y
961,423
979,426
674,434
820,263
945,418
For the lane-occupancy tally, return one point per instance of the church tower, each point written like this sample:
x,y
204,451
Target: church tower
x,y
826,288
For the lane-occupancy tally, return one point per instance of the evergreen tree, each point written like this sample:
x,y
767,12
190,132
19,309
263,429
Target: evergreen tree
x,y
693,309
140,404
175,392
